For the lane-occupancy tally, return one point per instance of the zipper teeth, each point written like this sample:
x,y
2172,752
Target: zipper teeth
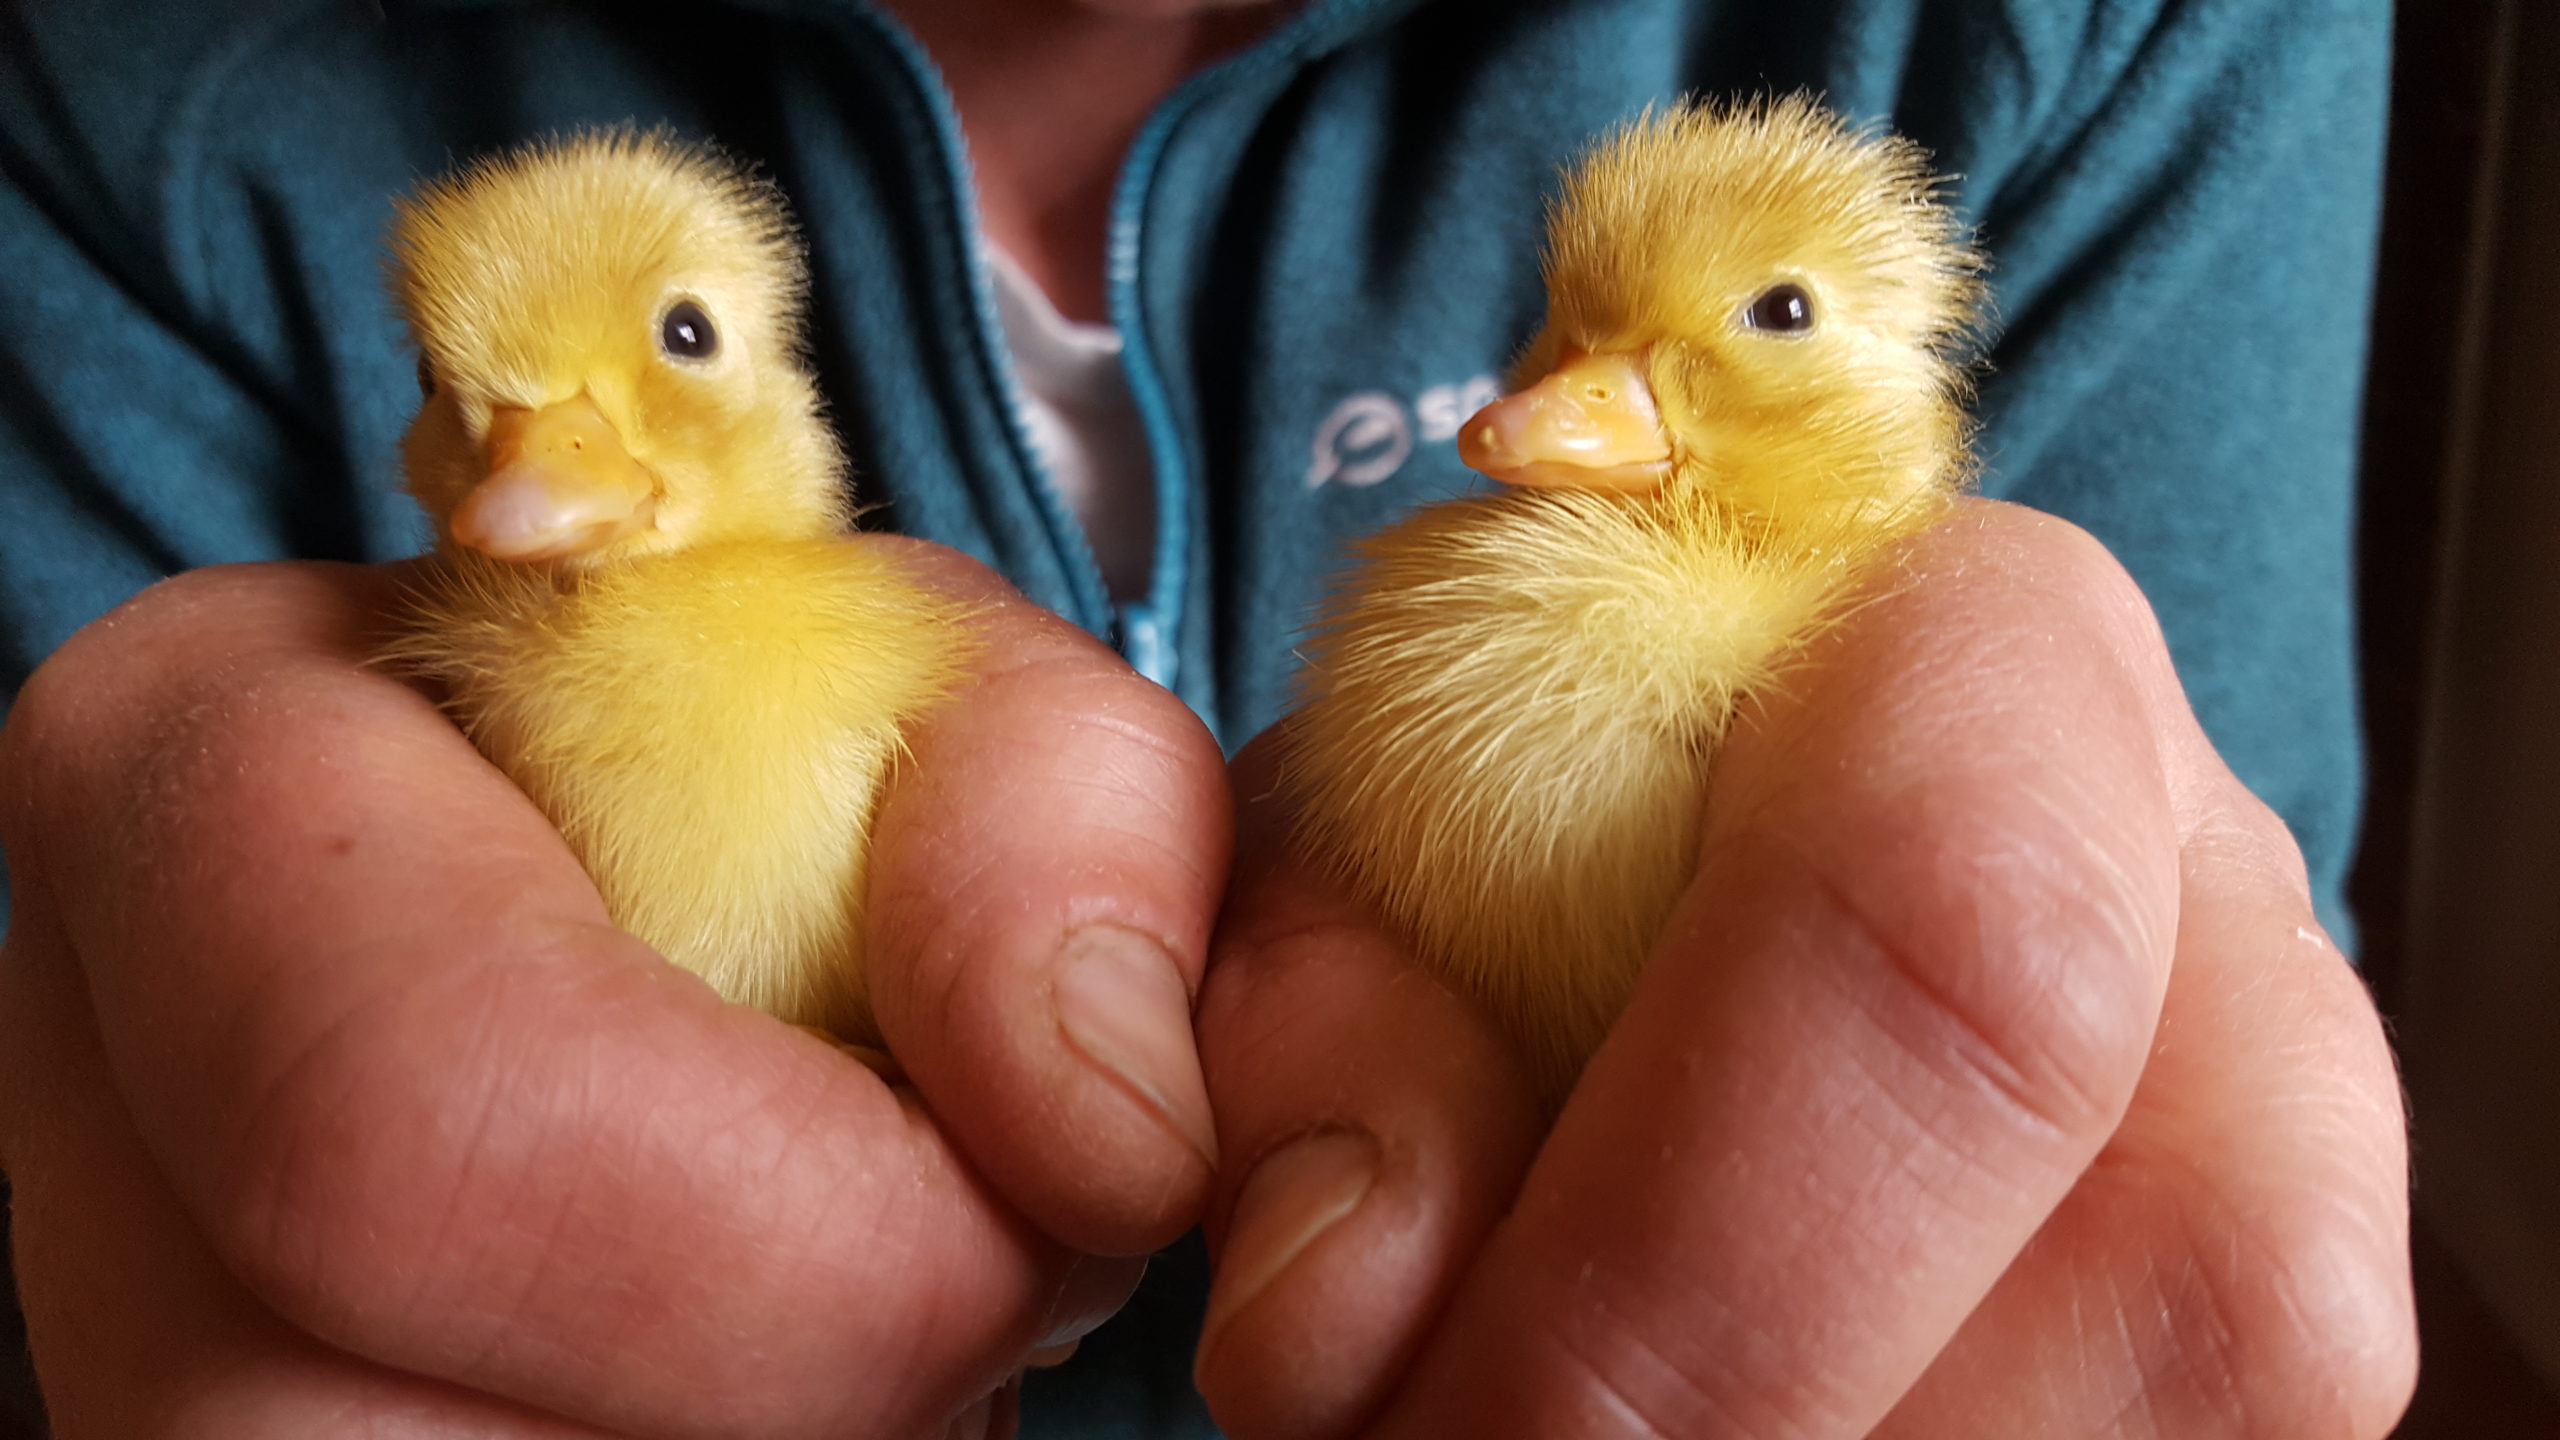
x,y
1090,592
1294,40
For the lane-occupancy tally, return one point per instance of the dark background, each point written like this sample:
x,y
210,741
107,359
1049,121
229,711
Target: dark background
x,y
2461,68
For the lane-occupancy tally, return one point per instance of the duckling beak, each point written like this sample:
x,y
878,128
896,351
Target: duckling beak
x,y
560,484
1592,425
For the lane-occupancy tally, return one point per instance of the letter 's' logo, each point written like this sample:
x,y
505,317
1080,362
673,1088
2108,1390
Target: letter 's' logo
x,y
1364,440
1369,435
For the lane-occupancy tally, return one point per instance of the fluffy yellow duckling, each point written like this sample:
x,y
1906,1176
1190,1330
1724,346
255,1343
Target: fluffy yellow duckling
x,y
1744,388
642,608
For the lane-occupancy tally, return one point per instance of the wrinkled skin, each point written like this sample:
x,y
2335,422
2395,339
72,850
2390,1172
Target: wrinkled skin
x,y
1993,1078
329,1095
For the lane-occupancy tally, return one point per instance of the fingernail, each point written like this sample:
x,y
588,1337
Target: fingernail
x,y
1122,1005
1294,1196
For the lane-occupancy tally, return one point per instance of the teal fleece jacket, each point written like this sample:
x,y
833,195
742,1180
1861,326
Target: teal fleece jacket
x,y
1322,252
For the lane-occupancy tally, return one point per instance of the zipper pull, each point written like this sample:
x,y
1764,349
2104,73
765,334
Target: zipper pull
x,y
1143,643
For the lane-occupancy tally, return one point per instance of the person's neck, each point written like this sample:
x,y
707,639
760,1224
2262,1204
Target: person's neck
x,y
1050,96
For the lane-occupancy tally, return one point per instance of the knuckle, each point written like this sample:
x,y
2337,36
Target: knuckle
x,y
102,695
2072,575
1624,1373
2025,988
2077,566
2342,1337
1106,706
82,680
171,667
2299,1327
2245,838
1642,1392
177,610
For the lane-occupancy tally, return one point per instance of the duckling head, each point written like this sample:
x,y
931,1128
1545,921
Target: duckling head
x,y
1756,305
608,338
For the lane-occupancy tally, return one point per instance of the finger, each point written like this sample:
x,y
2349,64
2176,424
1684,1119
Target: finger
x,y
139,1332
1374,1128
2236,1262
1903,1003
1047,872
997,1417
428,1105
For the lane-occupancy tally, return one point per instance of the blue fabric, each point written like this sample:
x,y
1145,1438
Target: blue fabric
x,y
1322,251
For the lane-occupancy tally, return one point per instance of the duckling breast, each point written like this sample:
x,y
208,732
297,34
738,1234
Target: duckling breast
x,y
1507,718
710,731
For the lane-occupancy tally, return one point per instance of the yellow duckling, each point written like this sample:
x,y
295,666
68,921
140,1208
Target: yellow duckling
x,y
1744,388
642,607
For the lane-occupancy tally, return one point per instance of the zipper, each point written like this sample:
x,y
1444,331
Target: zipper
x,y
1148,628
1090,595
1143,631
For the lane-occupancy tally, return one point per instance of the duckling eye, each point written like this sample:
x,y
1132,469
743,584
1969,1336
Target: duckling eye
x,y
426,379
1781,310
686,333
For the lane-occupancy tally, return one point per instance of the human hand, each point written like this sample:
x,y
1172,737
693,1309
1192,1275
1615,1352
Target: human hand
x,y
1992,1078
332,1101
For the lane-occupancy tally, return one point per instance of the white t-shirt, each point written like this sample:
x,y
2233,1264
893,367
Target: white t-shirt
x,y
1080,414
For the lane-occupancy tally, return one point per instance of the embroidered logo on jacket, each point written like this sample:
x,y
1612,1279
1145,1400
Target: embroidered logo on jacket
x,y
1370,434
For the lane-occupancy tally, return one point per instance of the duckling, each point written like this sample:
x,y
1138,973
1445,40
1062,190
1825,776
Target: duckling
x,y
1746,386
642,606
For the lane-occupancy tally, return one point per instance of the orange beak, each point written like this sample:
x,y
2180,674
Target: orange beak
x,y
560,484
1592,425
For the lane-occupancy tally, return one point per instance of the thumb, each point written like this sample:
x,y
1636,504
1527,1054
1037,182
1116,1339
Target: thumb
x,y
1044,879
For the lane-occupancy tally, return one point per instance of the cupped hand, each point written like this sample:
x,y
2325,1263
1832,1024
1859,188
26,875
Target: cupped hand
x,y
1993,1078
332,1101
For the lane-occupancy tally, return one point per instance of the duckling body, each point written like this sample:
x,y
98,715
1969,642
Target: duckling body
x,y
643,607
1510,720
1512,703
721,799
